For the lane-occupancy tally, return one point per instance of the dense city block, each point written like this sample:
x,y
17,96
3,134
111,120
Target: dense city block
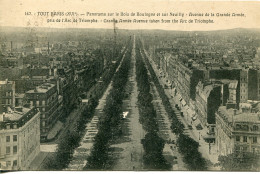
x,y
135,100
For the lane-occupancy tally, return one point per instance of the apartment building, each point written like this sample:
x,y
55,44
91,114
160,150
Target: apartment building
x,y
19,138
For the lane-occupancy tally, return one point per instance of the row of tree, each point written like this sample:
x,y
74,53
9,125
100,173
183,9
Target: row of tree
x,y
187,146
71,139
109,73
152,143
109,125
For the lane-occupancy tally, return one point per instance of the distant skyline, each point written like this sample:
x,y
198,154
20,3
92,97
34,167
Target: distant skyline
x,y
14,29
12,13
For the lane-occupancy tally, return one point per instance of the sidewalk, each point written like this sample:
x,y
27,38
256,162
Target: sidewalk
x,y
55,130
38,160
207,152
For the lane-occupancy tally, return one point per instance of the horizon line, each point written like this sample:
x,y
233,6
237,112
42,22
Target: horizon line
x,y
129,29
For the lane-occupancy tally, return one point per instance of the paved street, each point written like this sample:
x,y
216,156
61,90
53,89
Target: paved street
x,y
130,157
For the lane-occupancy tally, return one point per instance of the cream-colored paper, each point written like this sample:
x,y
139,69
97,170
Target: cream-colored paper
x,y
124,14
227,14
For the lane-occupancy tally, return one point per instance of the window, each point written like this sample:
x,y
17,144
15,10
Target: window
x,y
242,127
237,138
43,123
254,139
8,163
14,149
43,115
14,138
43,109
238,126
255,128
43,102
7,139
244,138
8,150
37,102
8,126
31,103
15,163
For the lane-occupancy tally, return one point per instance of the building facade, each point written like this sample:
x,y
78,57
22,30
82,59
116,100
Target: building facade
x,y
208,99
46,99
7,95
243,86
237,130
19,138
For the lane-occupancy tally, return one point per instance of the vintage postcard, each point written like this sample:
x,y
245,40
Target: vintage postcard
x,y
151,85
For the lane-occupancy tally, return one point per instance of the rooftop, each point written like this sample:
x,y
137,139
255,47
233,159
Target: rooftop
x,y
239,116
233,84
42,89
247,117
207,86
207,89
13,115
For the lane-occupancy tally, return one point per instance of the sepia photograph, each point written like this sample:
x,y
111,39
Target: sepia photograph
x,y
129,86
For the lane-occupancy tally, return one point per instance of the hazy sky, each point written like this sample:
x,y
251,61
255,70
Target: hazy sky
x,y
12,13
